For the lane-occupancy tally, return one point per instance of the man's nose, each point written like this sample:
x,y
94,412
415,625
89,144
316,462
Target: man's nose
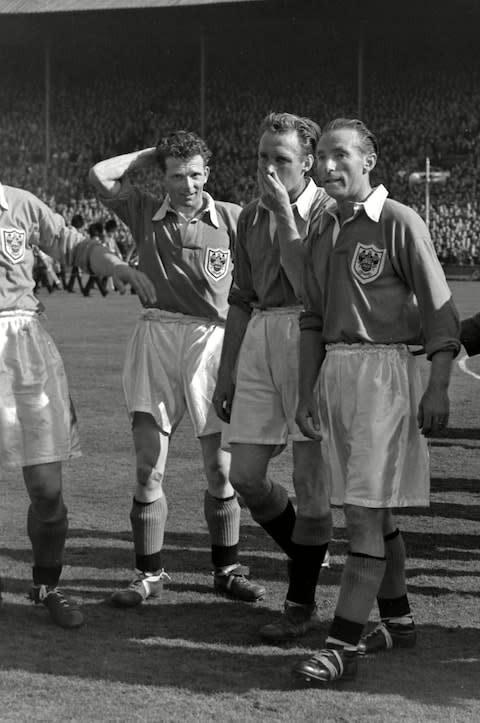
x,y
267,166
329,164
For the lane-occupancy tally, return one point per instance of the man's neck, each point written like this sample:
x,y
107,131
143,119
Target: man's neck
x,y
189,212
295,195
346,208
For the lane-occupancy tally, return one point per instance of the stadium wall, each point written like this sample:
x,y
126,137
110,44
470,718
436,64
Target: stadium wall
x,y
462,272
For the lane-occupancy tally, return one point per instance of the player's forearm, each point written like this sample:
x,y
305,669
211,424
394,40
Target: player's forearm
x,y
105,175
235,328
291,248
312,354
440,369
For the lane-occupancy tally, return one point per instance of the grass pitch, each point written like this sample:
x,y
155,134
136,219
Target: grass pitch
x,y
192,655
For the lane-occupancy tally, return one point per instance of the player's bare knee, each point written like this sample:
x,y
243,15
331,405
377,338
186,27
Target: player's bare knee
x,y
363,523
253,492
217,475
149,481
241,482
49,507
312,497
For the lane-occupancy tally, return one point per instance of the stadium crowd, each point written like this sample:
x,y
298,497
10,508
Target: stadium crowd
x,y
428,112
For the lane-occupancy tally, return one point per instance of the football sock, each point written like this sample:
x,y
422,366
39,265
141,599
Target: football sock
x,y
223,520
361,578
310,543
148,526
276,514
47,538
304,571
48,576
392,597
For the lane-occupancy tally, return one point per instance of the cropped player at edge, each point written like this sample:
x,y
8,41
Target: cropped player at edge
x,y
184,244
38,428
373,286
470,334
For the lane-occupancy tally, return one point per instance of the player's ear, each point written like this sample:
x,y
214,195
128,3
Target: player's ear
x,y
308,162
206,172
370,162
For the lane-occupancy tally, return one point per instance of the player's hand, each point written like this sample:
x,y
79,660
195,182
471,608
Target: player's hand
x,y
223,399
273,193
125,275
308,419
433,411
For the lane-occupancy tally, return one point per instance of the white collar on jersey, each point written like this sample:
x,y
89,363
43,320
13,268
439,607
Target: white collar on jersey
x,y
3,198
302,204
372,205
209,208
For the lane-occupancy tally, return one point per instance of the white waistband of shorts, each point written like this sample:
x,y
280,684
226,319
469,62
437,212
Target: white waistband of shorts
x,y
367,348
278,310
176,317
18,314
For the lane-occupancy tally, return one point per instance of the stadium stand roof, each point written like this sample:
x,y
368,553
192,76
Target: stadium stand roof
x,y
15,7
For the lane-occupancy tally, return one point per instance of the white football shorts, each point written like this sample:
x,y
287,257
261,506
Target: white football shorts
x,y
266,391
37,419
171,365
375,455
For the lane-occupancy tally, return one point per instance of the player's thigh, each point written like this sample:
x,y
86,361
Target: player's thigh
x,y
43,481
152,375
199,373
309,480
258,416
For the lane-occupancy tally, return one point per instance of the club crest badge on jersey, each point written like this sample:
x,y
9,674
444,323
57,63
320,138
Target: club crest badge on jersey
x,y
368,262
216,263
13,244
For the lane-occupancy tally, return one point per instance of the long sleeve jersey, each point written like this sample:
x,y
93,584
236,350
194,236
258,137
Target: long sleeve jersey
x,y
377,279
189,265
25,221
259,279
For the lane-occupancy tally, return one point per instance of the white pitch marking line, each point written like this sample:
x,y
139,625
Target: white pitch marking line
x,y
462,363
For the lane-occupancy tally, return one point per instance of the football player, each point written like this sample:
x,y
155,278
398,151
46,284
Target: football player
x,y
256,390
38,428
470,334
373,286
184,244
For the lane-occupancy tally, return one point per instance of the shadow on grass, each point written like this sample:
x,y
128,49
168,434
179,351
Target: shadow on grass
x,y
213,648
455,484
183,561
190,552
449,510
436,591
440,546
454,433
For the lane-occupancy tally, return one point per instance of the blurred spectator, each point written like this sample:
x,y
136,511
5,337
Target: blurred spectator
x,y
421,102
97,233
78,223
